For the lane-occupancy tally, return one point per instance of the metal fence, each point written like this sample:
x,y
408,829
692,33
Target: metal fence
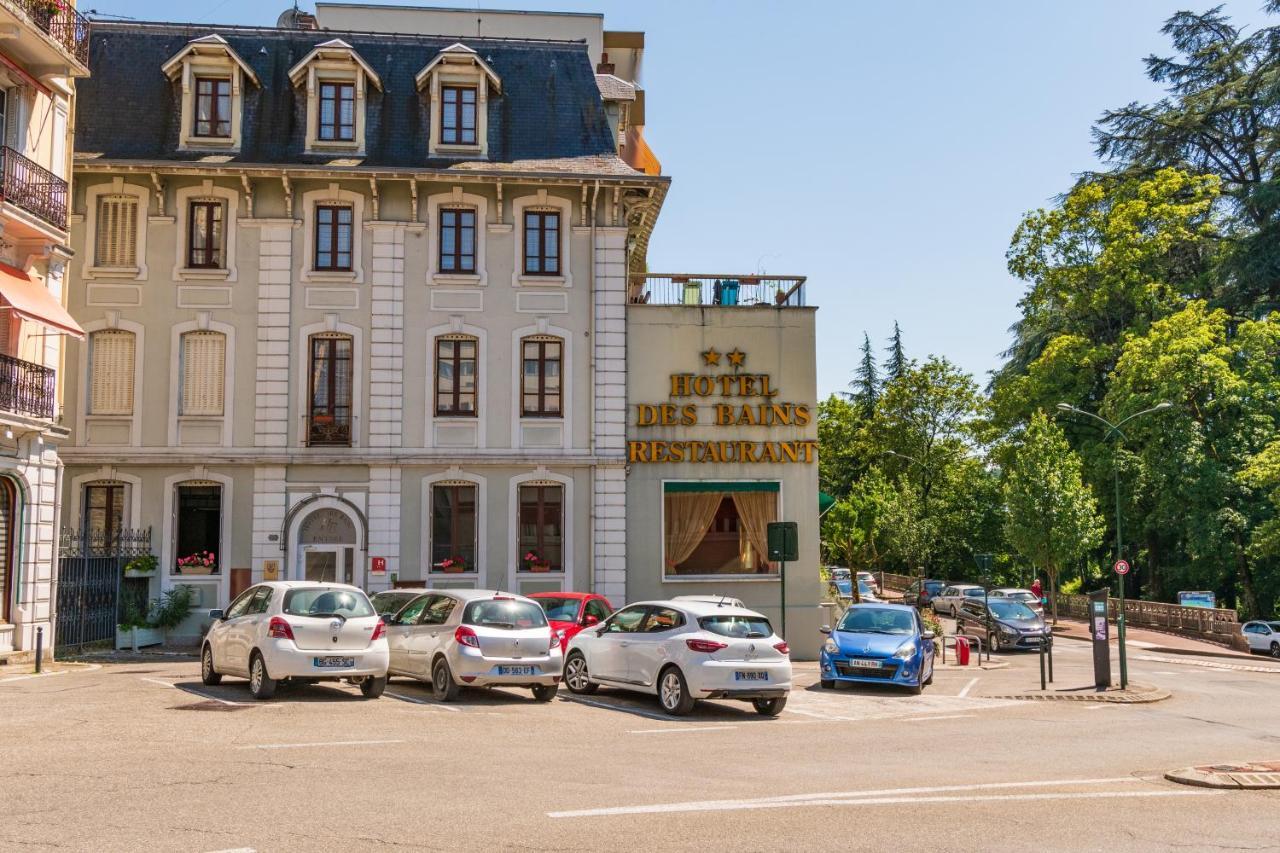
x,y
33,188
720,289
92,589
63,23
26,388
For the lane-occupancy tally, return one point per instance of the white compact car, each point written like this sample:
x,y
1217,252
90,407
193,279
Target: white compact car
x,y
1025,596
683,651
459,638
1262,637
302,631
949,600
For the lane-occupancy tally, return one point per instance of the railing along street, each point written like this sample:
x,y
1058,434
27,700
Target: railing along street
x,y
32,187
62,22
26,388
722,289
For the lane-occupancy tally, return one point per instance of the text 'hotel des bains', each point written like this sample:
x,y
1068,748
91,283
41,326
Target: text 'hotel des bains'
x,y
365,298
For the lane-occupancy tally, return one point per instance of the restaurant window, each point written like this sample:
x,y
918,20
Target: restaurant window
x,y
213,107
457,240
337,112
542,359
204,235
198,517
204,356
103,515
329,392
333,237
456,365
111,371
458,115
540,525
116,236
453,527
542,242
718,528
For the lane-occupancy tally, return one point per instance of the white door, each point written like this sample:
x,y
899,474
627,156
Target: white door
x,y
325,563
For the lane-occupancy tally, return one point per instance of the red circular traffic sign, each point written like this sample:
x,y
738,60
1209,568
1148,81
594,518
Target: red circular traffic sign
x,y
1122,568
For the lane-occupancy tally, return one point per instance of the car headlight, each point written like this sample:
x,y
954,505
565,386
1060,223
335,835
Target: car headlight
x,y
830,647
906,651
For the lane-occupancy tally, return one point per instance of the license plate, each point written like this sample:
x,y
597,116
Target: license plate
x,y
750,676
334,663
516,670
863,663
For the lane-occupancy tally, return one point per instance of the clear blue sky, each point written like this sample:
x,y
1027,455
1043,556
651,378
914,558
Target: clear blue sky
x,y
886,150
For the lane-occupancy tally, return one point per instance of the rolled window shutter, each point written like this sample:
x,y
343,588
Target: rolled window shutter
x,y
204,356
116,240
111,356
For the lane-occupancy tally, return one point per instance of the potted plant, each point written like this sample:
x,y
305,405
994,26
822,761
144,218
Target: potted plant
x,y
533,562
141,567
172,609
199,563
453,565
134,630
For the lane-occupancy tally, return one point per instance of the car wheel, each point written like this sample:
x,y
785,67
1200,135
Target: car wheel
x,y
1275,650
443,687
208,675
673,692
915,689
770,707
827,684
577,677
545,692
995,643
261,685
373,685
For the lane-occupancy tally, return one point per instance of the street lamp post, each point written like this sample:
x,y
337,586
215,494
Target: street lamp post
x,y
1114,429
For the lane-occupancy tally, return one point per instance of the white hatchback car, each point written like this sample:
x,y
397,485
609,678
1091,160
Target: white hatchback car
x,y
683,651
948,601
459,638
303,631
1263,637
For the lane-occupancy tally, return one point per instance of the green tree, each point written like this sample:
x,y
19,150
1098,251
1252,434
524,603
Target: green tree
x,y
866,379
896,365
1052,516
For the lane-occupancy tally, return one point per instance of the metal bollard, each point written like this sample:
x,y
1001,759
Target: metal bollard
x,y
1042,684
39,647
1049,640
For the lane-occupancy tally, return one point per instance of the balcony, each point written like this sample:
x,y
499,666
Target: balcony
x,y
26,388
29,186
718,289
60,28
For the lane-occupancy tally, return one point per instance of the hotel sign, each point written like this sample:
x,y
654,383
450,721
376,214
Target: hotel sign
x,y
734,398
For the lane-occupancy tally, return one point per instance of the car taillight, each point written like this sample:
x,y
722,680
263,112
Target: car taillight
x,y
556,637
465,636
705,645
379,631
279,629
782,648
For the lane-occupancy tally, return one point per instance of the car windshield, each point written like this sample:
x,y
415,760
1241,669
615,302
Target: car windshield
x,y
560,609
868,620
506,613
1011,610
977,592
388,603
321,601
742,627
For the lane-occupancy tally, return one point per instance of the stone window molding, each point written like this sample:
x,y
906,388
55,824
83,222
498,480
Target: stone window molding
x,y
334,61
456,476
106,474
567,377
202,323
458,65
540,476
459,199
301,381
210,57
93,197
481,418
205,191
83,418
169,536
542,200
332,195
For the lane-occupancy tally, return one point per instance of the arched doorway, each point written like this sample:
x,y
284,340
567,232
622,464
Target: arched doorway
x,y
327,543
8,541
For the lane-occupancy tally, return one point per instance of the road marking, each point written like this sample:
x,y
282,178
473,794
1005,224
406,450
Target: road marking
x,y
606,706
965,692
415,700
937,717
235,850
194,692
32,675
676,731
310,745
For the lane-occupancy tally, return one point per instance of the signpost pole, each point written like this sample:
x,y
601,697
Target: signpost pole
x,y
784,546
782,577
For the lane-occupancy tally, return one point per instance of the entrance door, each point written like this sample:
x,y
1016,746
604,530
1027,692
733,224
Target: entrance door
x,y
325,563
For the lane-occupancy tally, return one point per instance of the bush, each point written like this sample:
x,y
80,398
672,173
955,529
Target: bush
x,y
172,609
1072,587
931,622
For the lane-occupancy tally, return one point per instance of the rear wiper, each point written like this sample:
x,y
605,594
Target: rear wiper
x,y
756,635
510,626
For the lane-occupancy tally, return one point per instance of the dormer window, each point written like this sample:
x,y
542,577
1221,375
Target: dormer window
x,y
337,112
212,77
457,84
458,115
337,81
213,106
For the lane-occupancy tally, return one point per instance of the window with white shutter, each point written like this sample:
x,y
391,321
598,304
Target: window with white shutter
x,y
116,240
204,356
111,363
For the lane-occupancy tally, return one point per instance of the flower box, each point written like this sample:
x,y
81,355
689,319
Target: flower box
x,y
453,570
136,638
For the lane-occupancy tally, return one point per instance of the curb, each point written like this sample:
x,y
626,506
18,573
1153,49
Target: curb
x,y
1259,776
1209,664
1141,696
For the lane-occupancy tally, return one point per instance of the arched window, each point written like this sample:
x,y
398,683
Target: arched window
x,y
541,392
453,526
329,395
112,354
204,358
457,367
540,526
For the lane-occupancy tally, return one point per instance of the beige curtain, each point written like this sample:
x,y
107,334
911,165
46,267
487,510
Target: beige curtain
x,y
756,510
689,514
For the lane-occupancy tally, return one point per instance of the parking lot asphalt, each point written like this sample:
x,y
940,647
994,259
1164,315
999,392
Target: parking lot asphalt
x,y
131,756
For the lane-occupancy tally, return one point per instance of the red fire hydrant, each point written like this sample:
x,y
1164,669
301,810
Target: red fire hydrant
x,y
962,651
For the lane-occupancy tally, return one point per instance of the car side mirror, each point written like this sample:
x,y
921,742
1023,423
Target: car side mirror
x,y
589,620
217,615
928,635
825,629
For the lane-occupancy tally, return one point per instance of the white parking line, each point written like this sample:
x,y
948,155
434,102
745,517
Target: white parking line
x,y
415,700
937,717
311,745
965,691
202,695
606,706
678,731
32,675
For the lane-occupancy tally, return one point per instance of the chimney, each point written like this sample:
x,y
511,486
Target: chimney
x,y
605,66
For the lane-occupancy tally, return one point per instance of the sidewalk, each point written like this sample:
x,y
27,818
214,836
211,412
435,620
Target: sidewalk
x,y
1153,641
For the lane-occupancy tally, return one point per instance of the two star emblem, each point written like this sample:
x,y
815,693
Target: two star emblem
x,y
712,358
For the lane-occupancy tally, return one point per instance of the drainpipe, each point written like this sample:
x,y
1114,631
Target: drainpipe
x,y
591,405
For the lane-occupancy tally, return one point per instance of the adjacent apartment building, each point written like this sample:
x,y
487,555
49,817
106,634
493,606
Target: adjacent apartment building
x,y
44,48
357,307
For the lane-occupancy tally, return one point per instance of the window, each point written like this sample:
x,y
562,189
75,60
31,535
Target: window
x,y
199,529
203,356
541,242
627,620
337,112
598,609
504,613
204,235
4,116
458,115
457,240
456,376
261,601
453,525
409,615
240,606
111,368
116,240
718,528
540,389
333,237
213,107
103,514
329,421
438,610
541,528
661,619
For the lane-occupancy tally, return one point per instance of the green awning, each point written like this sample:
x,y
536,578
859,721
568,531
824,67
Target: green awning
x,y
825,502
712,486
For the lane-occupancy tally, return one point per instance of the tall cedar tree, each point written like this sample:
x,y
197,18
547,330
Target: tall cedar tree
x,y
866,379
897,363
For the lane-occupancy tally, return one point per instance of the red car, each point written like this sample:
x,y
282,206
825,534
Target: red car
x,y
570,612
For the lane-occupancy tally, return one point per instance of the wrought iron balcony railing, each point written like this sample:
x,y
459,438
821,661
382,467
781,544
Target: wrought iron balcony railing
x,y
782,291
26,184
63,23
26,388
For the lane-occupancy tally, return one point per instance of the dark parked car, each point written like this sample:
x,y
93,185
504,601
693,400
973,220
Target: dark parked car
x,y
1002,624
921,592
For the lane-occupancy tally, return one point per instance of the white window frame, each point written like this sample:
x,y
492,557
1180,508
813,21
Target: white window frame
x,y
482,378
302,372
106,474
202,323
542,200
332,194
540,477
205,191
518,421
459,476
456,198
92,197
169,542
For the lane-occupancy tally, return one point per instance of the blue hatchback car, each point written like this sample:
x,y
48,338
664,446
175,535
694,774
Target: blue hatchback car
x,y
878,643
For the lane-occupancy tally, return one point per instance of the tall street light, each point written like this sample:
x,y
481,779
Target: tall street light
x,y
1114,429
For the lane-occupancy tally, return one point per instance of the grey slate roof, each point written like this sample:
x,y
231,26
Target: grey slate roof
x,y
549,116
615,88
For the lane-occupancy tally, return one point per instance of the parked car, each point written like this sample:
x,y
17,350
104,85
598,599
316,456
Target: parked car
x,y
920,592
712,598
459,638
871,581
1262,637
880,643
1002,624
844,589
570,612
390,601
1026,596
301,631
683,651
949,599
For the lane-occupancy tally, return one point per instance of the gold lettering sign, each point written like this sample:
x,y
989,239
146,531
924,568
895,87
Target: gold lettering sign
x,y
748,400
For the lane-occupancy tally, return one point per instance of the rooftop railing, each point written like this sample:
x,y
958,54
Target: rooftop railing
x,y
781,291
63,23
30,186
